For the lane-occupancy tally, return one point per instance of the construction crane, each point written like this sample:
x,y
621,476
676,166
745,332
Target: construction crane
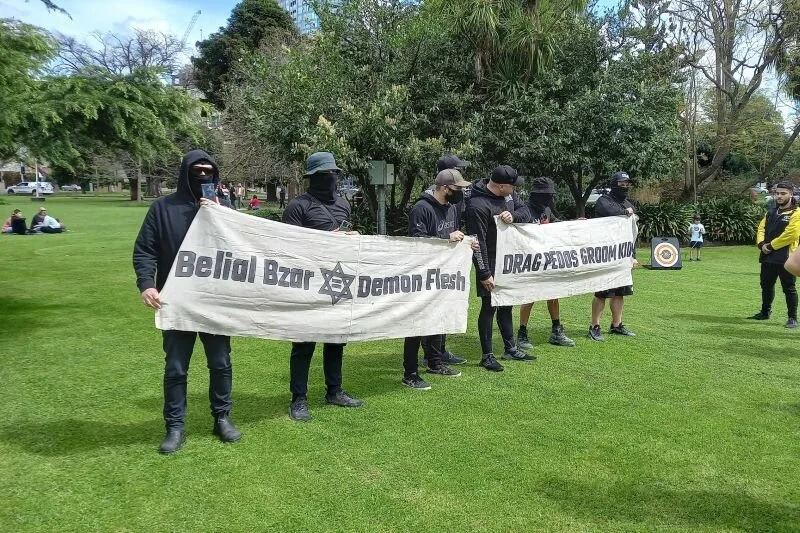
x,y
190,27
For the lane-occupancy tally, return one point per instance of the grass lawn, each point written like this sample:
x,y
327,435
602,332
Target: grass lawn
x,y
692,425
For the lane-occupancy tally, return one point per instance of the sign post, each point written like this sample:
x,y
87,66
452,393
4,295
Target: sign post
x,y
381,174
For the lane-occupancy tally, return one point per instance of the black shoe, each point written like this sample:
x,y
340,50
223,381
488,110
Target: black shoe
x,y
342,399
791,323
450,359
490,363
621,330
444,370
225,430
298,410
595,334
172,441
415,382
522,339
759,316
558,338
518,355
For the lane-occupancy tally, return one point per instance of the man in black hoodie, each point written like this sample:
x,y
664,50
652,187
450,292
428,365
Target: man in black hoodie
x,y
320,208
540,203
434,215
490,197
160,237
615,203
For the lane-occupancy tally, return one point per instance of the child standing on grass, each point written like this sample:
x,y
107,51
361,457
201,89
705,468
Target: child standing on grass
x,y
696,242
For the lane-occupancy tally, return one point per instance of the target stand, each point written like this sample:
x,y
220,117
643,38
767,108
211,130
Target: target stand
x,y
665,254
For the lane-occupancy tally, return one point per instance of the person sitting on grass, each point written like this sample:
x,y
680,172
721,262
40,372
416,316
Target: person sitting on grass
x,y
7,225
255,203
52,225
15,223
38,218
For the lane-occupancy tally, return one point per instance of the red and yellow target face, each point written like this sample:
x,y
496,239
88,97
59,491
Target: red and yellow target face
x,y
666,254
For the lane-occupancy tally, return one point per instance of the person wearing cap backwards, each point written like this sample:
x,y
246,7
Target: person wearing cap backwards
x,y
614,203
160,237
540,203
434,215
490,197
777,237
320,208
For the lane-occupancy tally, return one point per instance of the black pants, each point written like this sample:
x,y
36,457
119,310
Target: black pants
x,y
770,272
300,363
505,322
282,202
47,229
431,347
178,347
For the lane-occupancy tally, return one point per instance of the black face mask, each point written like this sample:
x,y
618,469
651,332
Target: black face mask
x,y
196,184
542,199
619,193
455,196
322,186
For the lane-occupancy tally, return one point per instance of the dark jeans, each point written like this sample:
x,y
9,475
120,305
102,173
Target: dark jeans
x,y
431,347
282,202
505,322
178,346
46,229
300,363
770,272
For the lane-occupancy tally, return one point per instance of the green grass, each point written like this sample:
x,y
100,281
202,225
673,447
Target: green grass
x,y
692,425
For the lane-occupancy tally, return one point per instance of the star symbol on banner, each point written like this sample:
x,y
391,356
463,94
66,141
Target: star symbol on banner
x,y
336,283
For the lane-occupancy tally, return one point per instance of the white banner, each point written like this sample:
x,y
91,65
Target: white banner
x,y
241,275
537,262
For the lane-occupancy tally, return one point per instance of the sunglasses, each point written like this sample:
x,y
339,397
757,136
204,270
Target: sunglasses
x,y
201,171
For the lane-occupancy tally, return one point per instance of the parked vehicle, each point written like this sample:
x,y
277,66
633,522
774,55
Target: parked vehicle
x,y
71,188
29,187
595,195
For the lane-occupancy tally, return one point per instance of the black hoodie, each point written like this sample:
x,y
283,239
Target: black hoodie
x,y
483,205
165,226
429,218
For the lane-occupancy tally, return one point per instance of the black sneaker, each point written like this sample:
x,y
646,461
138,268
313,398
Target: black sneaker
x,y
342,399
444,370
298,410
518,355
759,316
621,330
490,363
791,323
558,338
449,358
415,382
522,339
595,334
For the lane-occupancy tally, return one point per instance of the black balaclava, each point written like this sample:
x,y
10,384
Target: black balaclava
x,y
196,182
618,193
542,200
322,186
455,196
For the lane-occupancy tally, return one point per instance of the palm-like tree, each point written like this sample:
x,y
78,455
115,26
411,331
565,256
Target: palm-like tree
x,y
512,39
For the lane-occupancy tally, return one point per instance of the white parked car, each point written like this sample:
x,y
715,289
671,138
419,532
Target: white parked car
x,y
29,187
71,188
595,195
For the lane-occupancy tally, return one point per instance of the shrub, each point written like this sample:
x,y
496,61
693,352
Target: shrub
x,y
664,219
732,221
271,213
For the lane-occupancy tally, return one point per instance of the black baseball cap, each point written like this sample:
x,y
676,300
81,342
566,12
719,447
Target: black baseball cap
x,y
506,175
618,177
450,161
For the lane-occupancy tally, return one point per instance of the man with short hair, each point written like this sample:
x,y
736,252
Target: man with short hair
x,y
38,218
778,233
492,197
540,204
159,240
434,215
613,203
320,208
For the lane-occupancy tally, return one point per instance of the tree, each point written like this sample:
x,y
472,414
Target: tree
x,y
24,52
252,24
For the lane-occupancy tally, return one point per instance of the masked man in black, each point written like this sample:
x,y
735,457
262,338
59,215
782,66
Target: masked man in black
x,y
161,235
612,204
434,215
777,237
540,203
490,197
320,208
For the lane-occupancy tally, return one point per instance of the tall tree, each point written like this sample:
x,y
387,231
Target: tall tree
x,y
252,24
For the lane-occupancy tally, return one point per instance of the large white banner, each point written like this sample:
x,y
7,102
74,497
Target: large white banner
x,y
538,262
241,275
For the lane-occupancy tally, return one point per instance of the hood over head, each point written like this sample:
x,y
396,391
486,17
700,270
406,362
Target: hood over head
x,y
185,182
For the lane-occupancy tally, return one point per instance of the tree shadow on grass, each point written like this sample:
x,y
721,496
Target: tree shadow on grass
x,y
74,436
23,316
713,319
643,502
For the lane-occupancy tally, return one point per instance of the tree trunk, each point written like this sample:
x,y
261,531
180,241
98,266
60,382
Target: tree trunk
x,y
134,184
139,180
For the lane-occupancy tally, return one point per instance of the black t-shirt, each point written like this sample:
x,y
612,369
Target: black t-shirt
x,y
309,212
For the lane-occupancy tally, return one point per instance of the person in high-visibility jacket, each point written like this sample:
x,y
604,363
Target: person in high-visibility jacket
x,y
778,233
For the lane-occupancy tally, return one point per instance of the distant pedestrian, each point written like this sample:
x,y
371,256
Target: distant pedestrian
x,y
697,229
282,197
